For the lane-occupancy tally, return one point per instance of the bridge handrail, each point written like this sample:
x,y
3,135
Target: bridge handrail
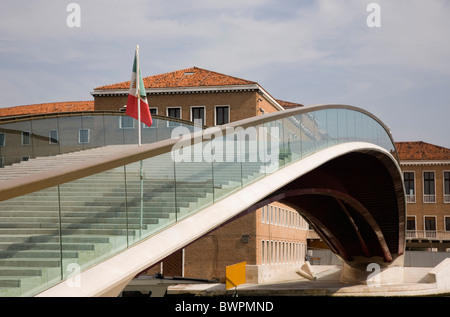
x,y
28,184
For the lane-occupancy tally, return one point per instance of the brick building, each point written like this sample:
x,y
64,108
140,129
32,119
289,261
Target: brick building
x,y
426,172
196,93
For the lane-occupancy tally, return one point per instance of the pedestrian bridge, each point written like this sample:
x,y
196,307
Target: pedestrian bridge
x,y
85,223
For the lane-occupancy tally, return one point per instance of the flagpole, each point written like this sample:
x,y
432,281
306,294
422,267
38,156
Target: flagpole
x,y
141,171
138,95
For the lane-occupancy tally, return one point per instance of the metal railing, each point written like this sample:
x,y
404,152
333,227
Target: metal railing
x,y
446,199
429,198
428,234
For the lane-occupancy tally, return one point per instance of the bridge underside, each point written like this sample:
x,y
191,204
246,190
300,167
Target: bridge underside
x,y
355,202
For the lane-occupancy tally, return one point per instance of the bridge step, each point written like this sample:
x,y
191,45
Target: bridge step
x,y
95,218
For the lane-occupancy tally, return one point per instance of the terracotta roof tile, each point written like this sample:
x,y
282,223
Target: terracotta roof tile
x,y
421,151
52,107
190,77
288,104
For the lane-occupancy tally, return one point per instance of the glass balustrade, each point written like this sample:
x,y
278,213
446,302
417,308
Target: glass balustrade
x,y
49,235
22,140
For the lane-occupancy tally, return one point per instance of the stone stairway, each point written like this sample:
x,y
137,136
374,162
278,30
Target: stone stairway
x,y
89,219
46,163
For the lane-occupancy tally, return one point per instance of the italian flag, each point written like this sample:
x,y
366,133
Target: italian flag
x,y
137,97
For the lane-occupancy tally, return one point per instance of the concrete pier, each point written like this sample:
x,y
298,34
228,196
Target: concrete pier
x,y
327,282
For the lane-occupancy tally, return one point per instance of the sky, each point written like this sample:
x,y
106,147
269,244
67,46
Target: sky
x,y
392,59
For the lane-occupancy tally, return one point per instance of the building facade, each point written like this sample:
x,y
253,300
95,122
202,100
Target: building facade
x,y
195,94
426,173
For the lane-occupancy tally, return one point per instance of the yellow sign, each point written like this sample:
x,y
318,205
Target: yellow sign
x,y
235,275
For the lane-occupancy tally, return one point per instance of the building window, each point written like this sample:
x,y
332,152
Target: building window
x,y
430,226
429,194
1,162
271,253
173,113
222,115
83,136
446,187
409,187
263,253
271,214
275,215
26,138
447,223
411,227
2,139
198,115
53,137
126,122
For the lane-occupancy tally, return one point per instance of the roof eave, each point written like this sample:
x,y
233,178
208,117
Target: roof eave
x,y
168,90
424,162
196,89
271,99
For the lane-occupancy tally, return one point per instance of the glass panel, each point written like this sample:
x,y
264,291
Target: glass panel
x,y
342,126
372,132
332,126
194,180
30,244
43,130
13,150
149,134
157,208
226,169
308,133
321,132
271,146
252,148
292,140
115,128
95,126
93,214
68,134
351,125
285,155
